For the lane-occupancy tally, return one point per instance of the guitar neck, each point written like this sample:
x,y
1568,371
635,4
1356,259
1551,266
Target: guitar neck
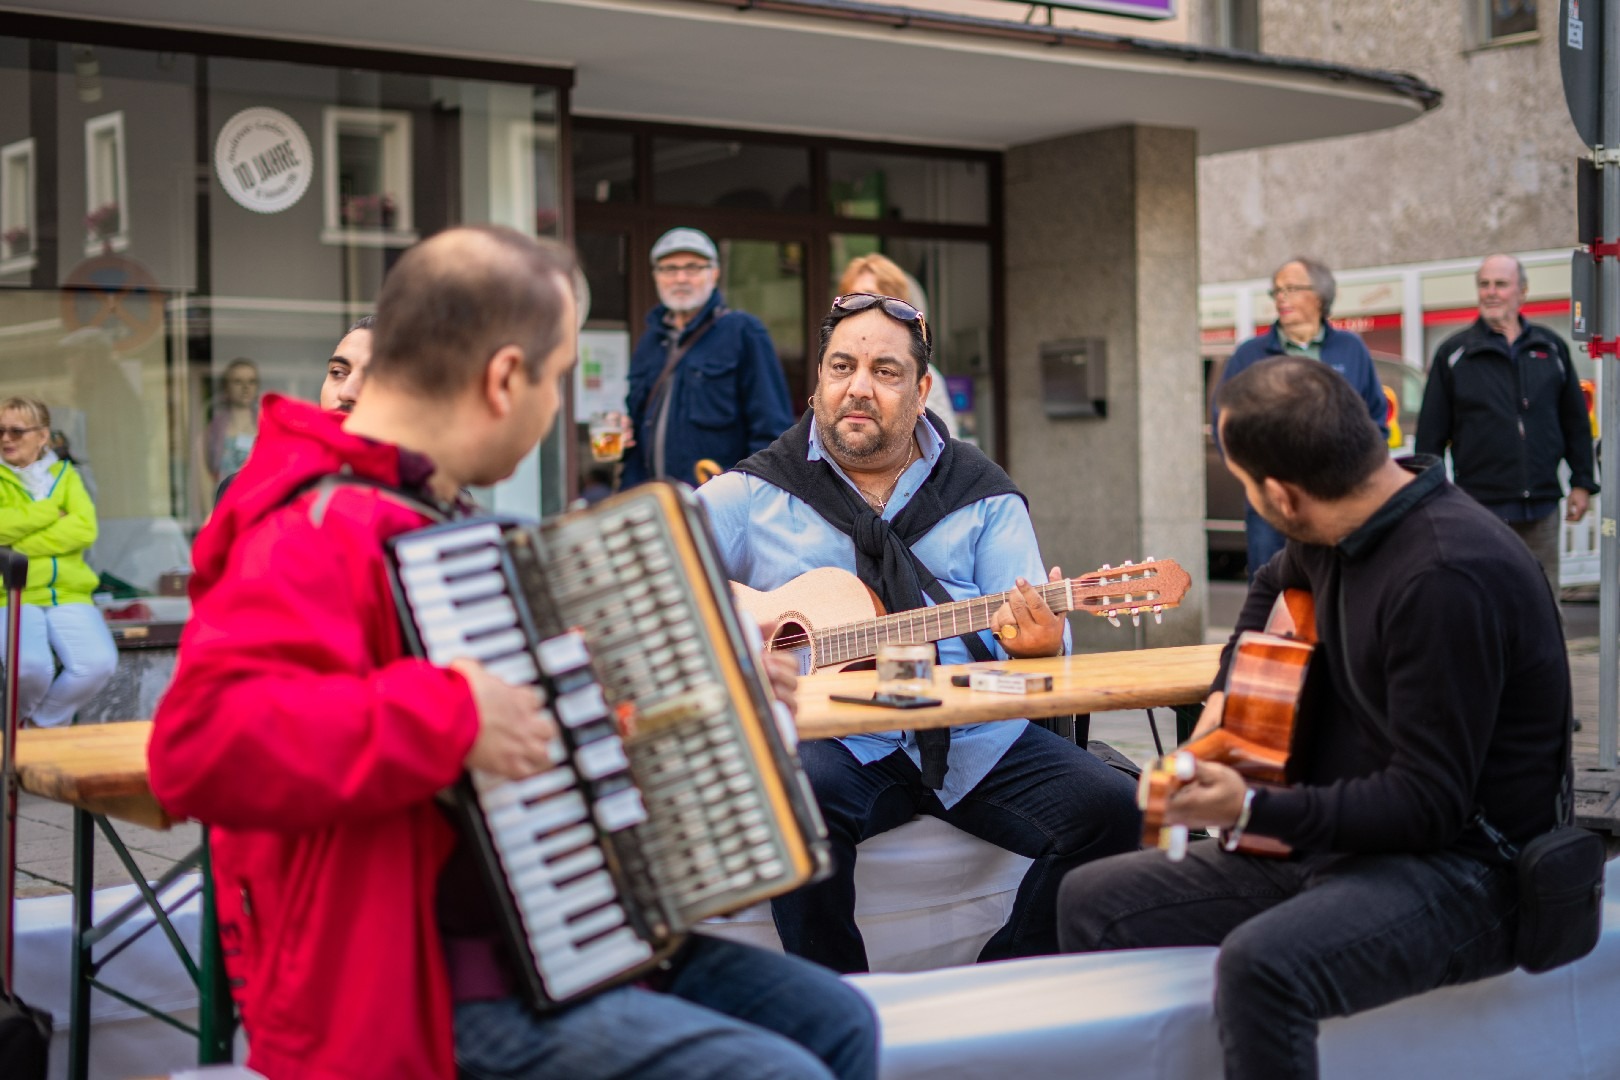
x,y
857,641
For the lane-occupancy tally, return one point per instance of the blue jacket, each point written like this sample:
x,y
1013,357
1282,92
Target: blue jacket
x,y
1342,351
728,400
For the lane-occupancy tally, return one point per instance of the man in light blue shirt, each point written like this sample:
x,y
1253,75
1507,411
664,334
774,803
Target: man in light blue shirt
x,y
868,483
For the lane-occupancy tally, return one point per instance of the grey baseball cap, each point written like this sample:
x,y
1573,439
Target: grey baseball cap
x,y
683,239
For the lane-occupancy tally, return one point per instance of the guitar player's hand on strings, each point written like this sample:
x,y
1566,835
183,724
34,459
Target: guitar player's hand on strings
x,y
1024,624
1214,797
516,736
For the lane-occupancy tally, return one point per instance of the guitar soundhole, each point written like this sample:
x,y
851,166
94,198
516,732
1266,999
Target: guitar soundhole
x,y
790,635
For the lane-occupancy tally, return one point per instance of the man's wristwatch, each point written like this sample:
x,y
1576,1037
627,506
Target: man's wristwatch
x,y
1230,837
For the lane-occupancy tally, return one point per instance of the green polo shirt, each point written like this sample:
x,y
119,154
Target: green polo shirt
x,y
1312,348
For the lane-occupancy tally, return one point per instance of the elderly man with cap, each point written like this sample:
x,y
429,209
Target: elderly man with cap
x,y
704,381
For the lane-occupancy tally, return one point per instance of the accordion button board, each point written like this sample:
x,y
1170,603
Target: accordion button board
x,y
675,797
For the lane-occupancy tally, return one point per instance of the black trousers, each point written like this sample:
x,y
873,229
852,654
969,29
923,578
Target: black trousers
x,y
1301,939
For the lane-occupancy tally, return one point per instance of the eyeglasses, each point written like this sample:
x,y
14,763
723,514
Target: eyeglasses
x,y
892,306
1287,290
19,432
683,270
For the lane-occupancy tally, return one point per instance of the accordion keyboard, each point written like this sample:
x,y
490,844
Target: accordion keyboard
x,y
541,830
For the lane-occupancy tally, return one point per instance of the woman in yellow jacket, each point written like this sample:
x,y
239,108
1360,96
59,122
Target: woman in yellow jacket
x,y
46,514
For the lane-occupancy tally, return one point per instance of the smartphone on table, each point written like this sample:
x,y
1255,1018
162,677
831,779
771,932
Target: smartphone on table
x,y
886,701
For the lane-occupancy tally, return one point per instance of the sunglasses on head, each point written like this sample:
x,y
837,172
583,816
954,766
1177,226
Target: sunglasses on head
x,y
892,306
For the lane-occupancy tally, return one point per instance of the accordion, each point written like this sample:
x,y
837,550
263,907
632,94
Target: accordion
x,y
678,796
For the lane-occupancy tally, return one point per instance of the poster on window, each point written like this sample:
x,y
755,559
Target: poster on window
x,y
602,375
263,160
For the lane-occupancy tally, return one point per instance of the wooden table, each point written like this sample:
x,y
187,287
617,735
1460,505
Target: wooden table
x,y
98,768
1095,682
100,771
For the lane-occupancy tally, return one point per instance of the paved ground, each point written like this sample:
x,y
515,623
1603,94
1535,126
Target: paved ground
x,y
45,839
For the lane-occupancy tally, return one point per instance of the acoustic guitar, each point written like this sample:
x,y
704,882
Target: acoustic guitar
x,y
1256,735
830,619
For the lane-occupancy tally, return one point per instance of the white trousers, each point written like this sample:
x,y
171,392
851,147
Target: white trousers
x,y
77,636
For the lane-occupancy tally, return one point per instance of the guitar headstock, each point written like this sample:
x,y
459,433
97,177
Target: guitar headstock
x,y
1131,589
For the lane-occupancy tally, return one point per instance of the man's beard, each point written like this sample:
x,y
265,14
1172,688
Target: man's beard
x,y
687,307
884,441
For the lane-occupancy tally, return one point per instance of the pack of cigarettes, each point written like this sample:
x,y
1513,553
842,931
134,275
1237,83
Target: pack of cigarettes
x,y
1001,681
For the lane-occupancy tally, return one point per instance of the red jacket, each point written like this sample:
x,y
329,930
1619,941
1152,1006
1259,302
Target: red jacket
x,y
297,730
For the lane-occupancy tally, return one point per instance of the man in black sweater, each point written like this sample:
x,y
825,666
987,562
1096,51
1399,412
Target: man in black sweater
x,y
1439,691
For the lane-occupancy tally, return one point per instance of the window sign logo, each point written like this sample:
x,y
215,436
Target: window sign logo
x,y
263,160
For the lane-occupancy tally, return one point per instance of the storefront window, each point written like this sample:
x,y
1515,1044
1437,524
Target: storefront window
x,y
908,187
953,292
730,174
150,311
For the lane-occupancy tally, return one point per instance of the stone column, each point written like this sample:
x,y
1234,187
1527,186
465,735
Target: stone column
x,y
1102,242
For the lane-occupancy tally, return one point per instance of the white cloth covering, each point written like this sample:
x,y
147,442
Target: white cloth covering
x,y
927,895
1148,1015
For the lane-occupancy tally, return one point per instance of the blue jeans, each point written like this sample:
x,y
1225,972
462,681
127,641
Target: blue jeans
x,y
1263,540
1046,799
728,1012
1301,939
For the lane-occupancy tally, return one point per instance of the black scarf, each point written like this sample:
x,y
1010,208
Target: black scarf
x,y
883,557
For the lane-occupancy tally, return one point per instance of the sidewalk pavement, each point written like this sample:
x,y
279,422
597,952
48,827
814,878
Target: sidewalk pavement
x,y
45,828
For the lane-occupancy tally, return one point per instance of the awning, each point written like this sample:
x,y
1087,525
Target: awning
x,y
834,67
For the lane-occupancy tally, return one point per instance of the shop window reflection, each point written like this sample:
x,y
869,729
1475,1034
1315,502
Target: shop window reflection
x,y
19,227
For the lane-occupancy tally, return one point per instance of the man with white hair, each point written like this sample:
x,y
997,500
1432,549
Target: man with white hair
x,y
1505,398
705,383
1303,290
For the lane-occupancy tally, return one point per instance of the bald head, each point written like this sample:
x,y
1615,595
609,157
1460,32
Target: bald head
x,y
453,300
1502,285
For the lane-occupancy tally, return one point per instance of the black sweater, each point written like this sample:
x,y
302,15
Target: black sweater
x,y
1452,635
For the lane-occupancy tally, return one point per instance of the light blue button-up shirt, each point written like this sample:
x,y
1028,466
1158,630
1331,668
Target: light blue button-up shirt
x,y
768,537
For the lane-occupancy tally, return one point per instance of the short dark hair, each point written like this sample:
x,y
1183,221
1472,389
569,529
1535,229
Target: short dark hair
x,y
921,348
1297,420
364,322
455,299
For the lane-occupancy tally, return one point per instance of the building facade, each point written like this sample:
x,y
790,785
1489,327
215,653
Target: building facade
x,y
195,194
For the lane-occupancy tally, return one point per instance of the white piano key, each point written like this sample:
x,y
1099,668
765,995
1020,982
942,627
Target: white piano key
x,y
601,758
566,809
578,970
494,614
433,573
575,898
581,706
579,863
519,859
517,670
562,654
537,786
422,548
497,646
461,591
620,810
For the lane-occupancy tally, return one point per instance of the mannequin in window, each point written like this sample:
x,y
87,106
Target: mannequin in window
x,y
232,428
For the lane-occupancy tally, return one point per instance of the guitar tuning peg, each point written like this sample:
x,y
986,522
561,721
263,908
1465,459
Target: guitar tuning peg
x,y
1148,559
1127,562
1158,620
1107,566
1136,618
1113,616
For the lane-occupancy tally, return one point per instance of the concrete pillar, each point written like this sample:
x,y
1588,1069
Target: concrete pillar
x,y
1102,241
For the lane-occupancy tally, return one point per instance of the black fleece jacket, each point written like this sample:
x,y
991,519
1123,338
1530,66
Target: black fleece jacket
x,y
1509,413
1445,622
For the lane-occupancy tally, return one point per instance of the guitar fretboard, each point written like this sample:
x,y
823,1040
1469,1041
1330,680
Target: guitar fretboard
x,y
856,641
